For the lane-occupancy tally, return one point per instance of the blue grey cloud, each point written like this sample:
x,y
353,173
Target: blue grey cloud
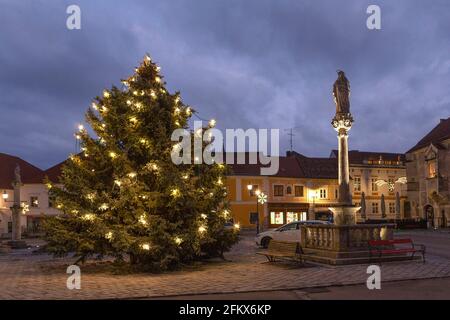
x,y
254,63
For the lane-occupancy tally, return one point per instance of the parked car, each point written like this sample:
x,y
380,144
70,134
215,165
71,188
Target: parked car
x,y
289,232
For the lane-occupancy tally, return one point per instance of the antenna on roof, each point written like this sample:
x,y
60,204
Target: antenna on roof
x,y
291,136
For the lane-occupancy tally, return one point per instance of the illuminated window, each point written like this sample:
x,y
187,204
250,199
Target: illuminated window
x,y
323,193
278,190
374,207
291,217
34,202
357,184
276,217
432,169
298,191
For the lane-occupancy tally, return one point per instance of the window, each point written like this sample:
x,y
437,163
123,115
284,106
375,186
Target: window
x,y
432,169
375,207
336,193
374,185
34,202
291,217
323,193
276,217
254,188
51,201
392,207
357,184
292,226
298,191
289,190
278,190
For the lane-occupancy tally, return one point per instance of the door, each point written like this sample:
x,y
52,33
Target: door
x,y
429,215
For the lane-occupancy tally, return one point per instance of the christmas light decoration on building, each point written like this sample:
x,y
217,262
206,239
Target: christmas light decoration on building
x,y
143,220
112,154
178,240
109,235
88,217
106,94
103,207
145,246
202,229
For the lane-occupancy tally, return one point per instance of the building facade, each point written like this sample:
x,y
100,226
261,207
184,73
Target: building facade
x,y
428,172
304,188
33,195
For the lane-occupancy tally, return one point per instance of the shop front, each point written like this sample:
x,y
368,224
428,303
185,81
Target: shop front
x,y
280,214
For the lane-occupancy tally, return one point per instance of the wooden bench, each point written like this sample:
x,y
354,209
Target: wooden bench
x,y
282,250
388,247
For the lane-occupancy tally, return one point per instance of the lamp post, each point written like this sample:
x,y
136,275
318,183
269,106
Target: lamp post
x,y
261,198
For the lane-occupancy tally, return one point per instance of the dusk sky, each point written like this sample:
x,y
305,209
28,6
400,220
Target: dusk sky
x,y
247,63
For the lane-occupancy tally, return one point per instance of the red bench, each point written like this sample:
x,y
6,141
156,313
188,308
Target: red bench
x,y
388,247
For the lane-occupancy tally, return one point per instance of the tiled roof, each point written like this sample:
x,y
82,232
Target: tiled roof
x,y
295,165
362,157
439,133
54,172
29,173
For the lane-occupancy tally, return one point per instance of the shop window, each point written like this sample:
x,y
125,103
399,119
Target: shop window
x,y
291,217
276,217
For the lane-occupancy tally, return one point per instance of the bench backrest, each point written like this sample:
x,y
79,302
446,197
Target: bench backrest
x,y
283,246
375,243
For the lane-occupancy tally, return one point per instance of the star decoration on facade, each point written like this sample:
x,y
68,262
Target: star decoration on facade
x,y
262,198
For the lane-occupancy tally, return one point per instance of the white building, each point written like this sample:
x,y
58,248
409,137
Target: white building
x,y
33,195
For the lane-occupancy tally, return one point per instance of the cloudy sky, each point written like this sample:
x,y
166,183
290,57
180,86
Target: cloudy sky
x,y
247,63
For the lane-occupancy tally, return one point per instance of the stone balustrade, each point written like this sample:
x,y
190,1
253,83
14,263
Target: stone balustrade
x,y
344,237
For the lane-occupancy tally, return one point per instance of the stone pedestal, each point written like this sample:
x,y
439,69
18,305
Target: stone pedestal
x,y
344,215
16,225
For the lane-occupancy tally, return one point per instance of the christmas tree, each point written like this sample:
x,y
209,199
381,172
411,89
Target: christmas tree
x,y
122,196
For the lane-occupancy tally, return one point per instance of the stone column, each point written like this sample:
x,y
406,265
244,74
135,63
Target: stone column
x,y
344,176
16,211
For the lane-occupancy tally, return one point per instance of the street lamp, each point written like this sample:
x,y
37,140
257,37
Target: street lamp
x,y
256,193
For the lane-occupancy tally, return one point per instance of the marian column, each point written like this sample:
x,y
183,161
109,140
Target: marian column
x,y
16,241
342,123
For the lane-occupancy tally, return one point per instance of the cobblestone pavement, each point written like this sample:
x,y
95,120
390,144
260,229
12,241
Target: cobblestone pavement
x,y
29,276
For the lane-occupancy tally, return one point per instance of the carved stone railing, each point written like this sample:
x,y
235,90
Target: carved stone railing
x,y
344,238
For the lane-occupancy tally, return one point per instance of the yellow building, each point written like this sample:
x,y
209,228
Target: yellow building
x,y
304,188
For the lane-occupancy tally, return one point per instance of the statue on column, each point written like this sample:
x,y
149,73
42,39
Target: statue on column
x,y
341,93
341,96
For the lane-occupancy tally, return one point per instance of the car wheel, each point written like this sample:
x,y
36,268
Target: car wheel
x,y
265,242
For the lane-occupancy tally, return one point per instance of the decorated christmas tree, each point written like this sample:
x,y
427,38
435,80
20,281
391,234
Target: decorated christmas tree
x,y
123,196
